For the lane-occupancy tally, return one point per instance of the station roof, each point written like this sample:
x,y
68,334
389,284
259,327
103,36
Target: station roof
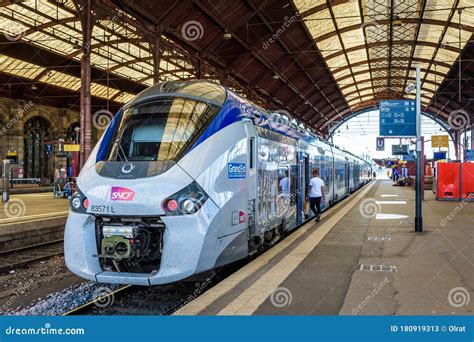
x,y
320,60
373,47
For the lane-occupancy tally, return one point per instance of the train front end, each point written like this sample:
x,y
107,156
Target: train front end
x,y
140,214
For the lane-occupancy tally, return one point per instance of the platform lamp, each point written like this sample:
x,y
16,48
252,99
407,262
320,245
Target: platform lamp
x,y
419,158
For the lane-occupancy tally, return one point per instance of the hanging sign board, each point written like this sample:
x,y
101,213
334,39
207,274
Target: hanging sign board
x,y
380,144
439,140
397,118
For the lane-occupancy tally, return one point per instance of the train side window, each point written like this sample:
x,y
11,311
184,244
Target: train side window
x,y
252,152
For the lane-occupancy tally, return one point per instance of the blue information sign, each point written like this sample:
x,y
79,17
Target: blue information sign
x,y
470,155
397,118
440,155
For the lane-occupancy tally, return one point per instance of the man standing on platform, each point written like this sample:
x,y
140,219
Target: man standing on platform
x,y
316,193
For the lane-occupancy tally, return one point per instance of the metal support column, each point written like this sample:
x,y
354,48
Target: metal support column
x,y
472,138
457,144
464,146
200,72
156,51
419,157
6,181
85,14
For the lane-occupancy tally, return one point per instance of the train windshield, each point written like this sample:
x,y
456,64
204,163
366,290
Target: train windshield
x,y
161,130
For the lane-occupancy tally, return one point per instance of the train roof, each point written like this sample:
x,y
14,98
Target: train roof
x,y
200,90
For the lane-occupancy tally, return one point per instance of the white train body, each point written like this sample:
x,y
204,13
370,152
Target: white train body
x,y
187,178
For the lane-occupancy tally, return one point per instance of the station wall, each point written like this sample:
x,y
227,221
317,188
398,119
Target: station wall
x,y
32,132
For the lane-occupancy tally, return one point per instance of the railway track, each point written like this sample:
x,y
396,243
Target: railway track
x,y
137,300
23,256
154,300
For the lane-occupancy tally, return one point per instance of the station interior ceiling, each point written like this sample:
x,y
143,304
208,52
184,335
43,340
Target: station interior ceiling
x,y
322,61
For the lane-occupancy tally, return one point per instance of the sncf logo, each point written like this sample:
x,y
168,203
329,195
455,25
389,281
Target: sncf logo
x,y
121,194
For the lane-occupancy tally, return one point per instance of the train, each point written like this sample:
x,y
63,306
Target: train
x,y
186,179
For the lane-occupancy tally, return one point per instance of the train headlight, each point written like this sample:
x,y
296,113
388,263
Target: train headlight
x,y
79,202
76,203
189,206
186,201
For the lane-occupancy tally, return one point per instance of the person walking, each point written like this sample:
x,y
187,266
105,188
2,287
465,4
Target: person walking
x,y
316,193
395,174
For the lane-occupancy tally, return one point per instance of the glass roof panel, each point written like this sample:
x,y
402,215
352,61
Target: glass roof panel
x,y
366,92
304,5
349,88
100,90
19,68
348,14
366,97
329,46
357,56
130,73
61,80
360,78
341,73
319,23
352,39
337,62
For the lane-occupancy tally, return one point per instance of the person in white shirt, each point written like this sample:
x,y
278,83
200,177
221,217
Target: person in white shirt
x,y
285,185
316,193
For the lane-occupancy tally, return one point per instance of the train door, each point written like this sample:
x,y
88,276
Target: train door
x,y
348,173
303,181
252,185
331,177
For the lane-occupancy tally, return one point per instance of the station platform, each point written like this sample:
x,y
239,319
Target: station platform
x,y
19,189
30,219
363,258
